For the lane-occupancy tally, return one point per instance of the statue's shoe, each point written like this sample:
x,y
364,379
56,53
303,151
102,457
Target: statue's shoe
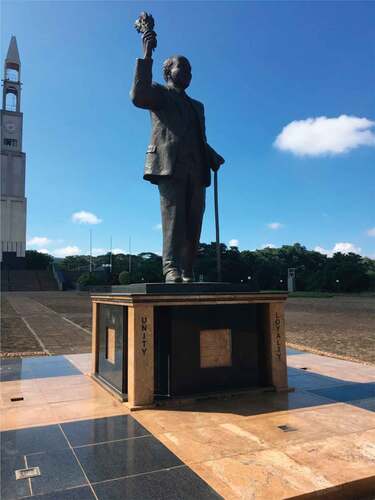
x,y
186,278
173,276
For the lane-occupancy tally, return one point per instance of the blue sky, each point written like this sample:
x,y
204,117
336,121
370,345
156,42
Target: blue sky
x,y
257,67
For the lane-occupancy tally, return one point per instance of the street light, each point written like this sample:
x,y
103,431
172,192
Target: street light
x,y
90,250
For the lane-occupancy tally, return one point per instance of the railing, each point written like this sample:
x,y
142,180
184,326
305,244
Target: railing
x,y
58,275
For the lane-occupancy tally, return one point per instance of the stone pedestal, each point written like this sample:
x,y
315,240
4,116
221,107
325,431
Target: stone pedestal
x,y
159,341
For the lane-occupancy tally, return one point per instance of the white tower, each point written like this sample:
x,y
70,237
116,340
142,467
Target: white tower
x,y
13,161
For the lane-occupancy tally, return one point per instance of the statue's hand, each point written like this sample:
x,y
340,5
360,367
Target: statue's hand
x,y
149,43
219,160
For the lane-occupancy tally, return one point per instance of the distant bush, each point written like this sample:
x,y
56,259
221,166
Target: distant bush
x,y
87,279
124,278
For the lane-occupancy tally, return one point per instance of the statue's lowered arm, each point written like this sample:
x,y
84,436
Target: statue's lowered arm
x,y
214,158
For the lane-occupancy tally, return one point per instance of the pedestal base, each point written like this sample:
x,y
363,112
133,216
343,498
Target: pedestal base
x,y
161,341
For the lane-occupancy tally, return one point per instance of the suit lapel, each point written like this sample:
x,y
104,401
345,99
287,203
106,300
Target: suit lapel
x,y
177,101
198,112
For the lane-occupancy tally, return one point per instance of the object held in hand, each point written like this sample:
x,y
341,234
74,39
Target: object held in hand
x,y
145,25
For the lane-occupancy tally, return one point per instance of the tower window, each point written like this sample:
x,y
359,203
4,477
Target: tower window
x,y
12,75
11,100
10,142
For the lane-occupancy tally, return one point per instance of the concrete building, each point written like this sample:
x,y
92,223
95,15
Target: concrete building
x,y
13,163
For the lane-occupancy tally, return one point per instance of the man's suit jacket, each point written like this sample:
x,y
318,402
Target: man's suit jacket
x,y
168,126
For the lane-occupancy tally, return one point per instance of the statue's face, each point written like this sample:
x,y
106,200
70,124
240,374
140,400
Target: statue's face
x,y
181,72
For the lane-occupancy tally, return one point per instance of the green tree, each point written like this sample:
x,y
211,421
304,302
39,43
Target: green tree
x,y
75,262
37,260
124,278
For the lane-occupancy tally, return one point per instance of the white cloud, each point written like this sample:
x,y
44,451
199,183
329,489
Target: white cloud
x,y
275,225
44,250
268,245
325,136
342,247
99,251
66,251
233,243
371,231
346,248
86,218
157,227
39,241
104,251
118,250
322,250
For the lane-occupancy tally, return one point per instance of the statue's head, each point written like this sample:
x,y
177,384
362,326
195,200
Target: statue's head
x,y
177,71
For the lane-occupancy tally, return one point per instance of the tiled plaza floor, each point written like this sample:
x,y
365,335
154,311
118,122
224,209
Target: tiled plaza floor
x,y
316,442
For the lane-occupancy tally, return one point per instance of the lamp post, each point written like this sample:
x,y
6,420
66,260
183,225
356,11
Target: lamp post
x,y
217,228
90,267
130,255
110,255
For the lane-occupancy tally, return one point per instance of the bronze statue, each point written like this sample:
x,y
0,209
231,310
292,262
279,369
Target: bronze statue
x,y
178,158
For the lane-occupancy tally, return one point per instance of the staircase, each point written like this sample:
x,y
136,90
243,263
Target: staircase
x,y
47,280
4,279
27,280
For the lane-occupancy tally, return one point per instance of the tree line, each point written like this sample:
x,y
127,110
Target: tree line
x,y
266,269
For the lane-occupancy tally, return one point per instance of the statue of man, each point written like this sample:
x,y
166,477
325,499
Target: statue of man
x,y
178,158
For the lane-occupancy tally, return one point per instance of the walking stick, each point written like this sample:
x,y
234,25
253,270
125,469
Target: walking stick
x,y
218,249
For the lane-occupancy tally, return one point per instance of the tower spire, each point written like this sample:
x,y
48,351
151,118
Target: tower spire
x,y
12,77
13,56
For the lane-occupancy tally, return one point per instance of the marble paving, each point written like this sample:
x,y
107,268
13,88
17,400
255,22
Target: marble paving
x,y
316,442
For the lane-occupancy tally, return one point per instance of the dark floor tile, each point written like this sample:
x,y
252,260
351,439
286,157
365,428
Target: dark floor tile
x,y
10,487
291,352
51,370
101,430
174,484
36,361
14,370
84,493
41,367
299,399
366,404
313,381
124,458
59,470
348,392
294,372
32,440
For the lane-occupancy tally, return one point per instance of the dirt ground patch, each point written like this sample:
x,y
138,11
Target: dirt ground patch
x,y
343,326
38,322
64,302
15,337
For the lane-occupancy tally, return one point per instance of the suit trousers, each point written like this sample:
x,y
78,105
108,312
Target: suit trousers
x,y
182,203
